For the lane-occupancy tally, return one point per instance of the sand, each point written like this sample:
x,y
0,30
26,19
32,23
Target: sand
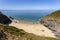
x,y
30,27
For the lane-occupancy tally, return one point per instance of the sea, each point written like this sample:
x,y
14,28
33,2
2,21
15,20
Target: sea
x,y
28,15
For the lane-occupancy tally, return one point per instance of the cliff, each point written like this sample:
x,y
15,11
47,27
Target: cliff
x,y
4,19
52,21
11,33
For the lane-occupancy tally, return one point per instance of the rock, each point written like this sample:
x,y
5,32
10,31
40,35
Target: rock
x,y
2,35
11,18
4,19
52,21
9,36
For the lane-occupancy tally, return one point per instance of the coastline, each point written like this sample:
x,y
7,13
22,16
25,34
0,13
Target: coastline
x,y
31,27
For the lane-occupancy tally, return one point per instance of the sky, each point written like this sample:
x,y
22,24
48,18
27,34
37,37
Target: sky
x,y
29,4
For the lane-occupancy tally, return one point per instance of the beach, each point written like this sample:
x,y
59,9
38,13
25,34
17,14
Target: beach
x,y
31,27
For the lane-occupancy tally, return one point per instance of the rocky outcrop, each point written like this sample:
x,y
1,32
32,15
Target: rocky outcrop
x,y
2,35
11,33
4,19
8,36
52,21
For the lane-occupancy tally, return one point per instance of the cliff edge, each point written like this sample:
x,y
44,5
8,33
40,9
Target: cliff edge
x,y
52,21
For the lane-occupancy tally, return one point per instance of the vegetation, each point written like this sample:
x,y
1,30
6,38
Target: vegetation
x,y
17,32
12,30
55,14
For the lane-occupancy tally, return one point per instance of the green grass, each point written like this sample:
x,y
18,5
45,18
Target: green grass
x,y
34,37
14,31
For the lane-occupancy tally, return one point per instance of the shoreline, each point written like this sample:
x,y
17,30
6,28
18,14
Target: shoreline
x,y
25,21
30,27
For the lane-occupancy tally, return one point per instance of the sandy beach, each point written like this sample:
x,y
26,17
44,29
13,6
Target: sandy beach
x,y
30,27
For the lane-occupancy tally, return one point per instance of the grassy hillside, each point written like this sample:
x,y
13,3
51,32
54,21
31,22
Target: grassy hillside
x,y
55,14
9,30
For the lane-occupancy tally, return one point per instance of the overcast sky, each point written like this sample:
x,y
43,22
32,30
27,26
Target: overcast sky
x,y
29,4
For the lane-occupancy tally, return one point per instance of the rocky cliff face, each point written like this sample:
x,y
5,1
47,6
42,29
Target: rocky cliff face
x,y
4,19
52,21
